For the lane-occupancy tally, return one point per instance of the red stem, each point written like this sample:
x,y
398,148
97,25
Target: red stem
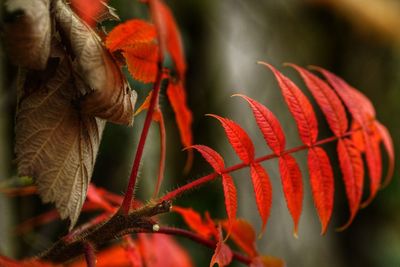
x,y
200,181
90,255
128,198
200,240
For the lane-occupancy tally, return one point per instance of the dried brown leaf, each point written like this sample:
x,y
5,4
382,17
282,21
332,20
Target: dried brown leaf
x,y
28,32
108,95
56,143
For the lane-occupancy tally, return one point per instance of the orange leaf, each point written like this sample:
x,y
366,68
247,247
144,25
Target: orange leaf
x,y
292,187
177,97
327,100
262,190
193,219
223,254
242,233
388,144
362,112
142,61
352,169
130,33
322,184
268,124
238,138
299,106
267,261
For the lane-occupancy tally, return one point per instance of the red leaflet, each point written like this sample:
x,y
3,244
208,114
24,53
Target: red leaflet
x,y
262,190
193,219
95,197
267,261
238,138
362,112
169,35
177,96
142,60
162,250
211,156
268,124
223,254
130,33
158,117
299,106
292,187
352,169
327,100
357,136
88,9
322,184
242,233
132,252
388,144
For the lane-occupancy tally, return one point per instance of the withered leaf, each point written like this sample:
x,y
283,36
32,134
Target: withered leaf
x,y
108,95
28,32
56,143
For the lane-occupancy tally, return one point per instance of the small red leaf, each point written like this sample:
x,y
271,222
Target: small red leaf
x,y
357,136
238,138
230,195
362,112
130,33
262,190
292,187
177,97
193,219
242,233
352,168
142,60
322,184
223,254
299,106
327,100
169,35
268,124
388,144
211,156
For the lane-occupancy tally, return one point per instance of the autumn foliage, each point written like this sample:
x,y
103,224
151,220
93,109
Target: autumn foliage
x,y
142,46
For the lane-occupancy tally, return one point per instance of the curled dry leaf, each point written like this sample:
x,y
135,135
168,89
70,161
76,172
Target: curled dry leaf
x,y
108,95
55,142
28,32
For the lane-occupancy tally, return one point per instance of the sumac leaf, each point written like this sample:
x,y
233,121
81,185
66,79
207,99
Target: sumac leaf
x,y
299,106
262,190
211,156
268,124
238,138
292,187
193,219
243,235
327,100
352,168
322,184
223,254
388,144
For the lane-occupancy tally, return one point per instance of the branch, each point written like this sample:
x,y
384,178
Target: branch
x,y
137,221
126,203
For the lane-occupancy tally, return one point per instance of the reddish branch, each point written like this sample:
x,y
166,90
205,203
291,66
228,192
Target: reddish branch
x,y
126,203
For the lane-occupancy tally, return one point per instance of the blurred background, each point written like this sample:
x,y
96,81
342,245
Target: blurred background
x,y
358,40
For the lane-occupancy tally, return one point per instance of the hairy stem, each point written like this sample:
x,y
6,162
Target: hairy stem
x,y
200,240
126,203
90,255
207,178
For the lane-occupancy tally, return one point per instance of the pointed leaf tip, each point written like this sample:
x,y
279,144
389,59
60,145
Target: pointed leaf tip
x,y
238,139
